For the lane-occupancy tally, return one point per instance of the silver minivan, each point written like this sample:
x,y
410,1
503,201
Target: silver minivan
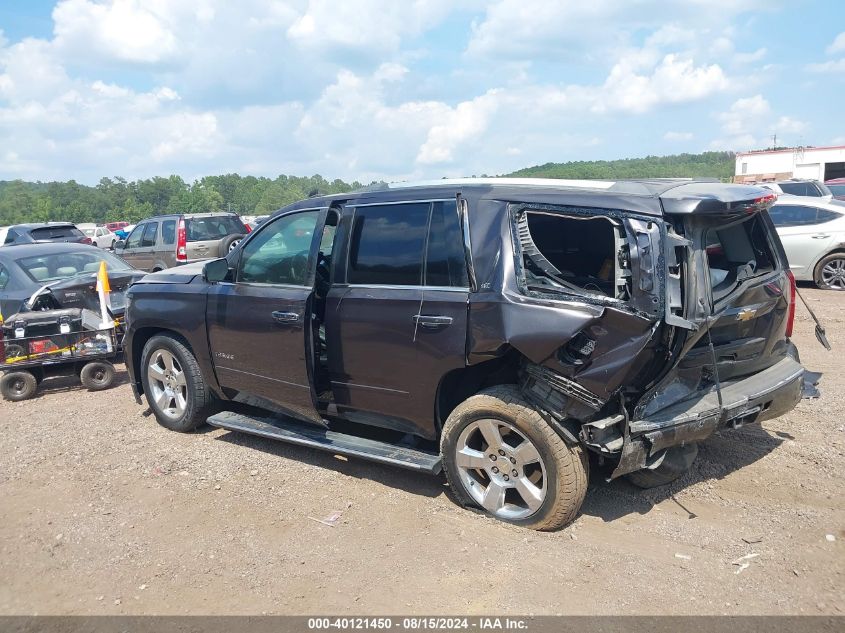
x,y
172,240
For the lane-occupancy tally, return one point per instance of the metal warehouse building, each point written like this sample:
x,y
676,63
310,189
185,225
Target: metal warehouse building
x,y
815,163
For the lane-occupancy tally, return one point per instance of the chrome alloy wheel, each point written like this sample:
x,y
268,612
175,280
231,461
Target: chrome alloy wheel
x,y
501,469
833,274
234,245
167,383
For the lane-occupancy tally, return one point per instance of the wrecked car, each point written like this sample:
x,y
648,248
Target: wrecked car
x,y
500,330
53,276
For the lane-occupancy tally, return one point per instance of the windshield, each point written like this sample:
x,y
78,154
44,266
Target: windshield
x,y
837,190
89,232
44,269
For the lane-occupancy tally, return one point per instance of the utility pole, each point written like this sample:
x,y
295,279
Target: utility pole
x,y
774,141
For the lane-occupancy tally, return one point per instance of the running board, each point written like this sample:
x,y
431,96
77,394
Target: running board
x,y
331,441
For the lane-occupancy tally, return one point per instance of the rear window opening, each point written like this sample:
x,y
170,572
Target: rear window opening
x,y
574,254
55,233
737,252
212,228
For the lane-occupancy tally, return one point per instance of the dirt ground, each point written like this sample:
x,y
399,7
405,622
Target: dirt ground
x,y
102,511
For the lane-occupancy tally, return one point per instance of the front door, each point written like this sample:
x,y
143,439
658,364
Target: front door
x,y
259,324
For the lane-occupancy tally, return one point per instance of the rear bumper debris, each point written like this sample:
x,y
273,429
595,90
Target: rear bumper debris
x,y
765,395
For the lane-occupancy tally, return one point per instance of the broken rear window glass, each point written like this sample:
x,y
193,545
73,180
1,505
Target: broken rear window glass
x,y
737,252
574,254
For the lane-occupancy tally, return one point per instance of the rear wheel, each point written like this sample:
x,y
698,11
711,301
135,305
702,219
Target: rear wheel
x,y
501,455
830,272
18,385
174,385
97,375
677,461
229,244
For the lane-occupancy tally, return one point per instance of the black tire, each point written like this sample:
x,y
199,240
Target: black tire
x,y
15,350
18,385
228,243
566,467
198,399
678,461
835,281
97,375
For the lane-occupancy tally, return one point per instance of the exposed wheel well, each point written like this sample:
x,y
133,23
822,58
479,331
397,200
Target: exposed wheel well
x,y
460,384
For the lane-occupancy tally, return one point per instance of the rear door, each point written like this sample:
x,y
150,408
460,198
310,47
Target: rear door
x,y
259,324
397,325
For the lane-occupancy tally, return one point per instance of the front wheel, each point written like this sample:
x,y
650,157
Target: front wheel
x,y
501,455
174,386
830,272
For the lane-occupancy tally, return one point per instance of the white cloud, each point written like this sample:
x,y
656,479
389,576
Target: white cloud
x,y
673,80
469,119
526,28
833,66
749,58
125,30
837,45
678,136
750,122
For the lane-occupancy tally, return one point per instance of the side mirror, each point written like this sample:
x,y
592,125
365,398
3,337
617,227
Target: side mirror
x,y
119,244
215,270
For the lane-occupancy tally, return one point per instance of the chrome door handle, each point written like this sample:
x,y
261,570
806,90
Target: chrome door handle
x,y
820,236
285,317
432,322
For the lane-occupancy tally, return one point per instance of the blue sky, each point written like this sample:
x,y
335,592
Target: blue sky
x,y
372,89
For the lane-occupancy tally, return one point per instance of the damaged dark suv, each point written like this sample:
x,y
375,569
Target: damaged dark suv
x,y
497,329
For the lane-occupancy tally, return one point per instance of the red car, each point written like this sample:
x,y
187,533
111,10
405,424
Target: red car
x,y
116,226
837,187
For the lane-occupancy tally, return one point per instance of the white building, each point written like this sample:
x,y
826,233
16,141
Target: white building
x,y
815,163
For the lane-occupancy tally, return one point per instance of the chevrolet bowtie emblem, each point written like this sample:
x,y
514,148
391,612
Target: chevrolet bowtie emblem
x,y
746,315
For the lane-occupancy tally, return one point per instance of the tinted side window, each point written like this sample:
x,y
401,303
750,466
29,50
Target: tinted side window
x,y
278,254
11,236
445,260
134,239
387,244
149,237
827,216
792,215
4,277
168,232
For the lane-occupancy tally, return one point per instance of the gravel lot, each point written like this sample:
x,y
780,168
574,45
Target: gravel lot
x,y
102,511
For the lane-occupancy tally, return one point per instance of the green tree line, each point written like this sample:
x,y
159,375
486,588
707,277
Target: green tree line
x,y
115,199
719,165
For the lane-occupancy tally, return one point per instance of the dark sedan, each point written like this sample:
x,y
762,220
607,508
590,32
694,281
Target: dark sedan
x,y
63,276
45,232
